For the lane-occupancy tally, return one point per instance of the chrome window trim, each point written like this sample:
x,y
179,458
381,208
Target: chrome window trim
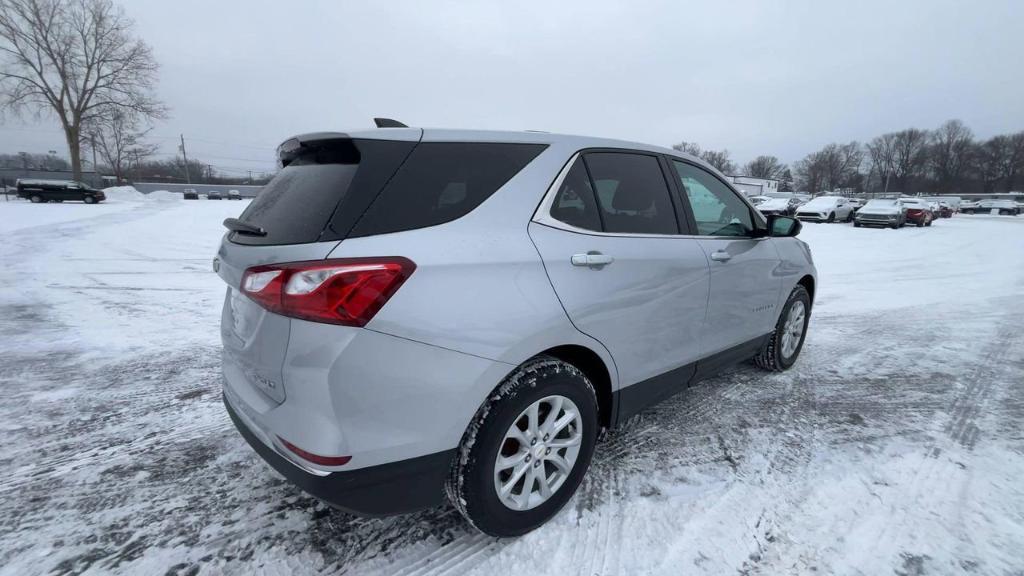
x,y
543,213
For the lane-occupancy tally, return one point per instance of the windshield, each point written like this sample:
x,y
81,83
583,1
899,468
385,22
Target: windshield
x,y
774,203
881,204
820,203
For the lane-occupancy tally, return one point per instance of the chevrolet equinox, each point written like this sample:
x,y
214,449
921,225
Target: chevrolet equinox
x,y
419,314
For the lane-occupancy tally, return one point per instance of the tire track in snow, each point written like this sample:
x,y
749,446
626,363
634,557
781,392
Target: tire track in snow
x,y
933,476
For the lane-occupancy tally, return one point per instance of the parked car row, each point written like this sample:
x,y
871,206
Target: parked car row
x,y
191,194
1003,207
898,212
889,213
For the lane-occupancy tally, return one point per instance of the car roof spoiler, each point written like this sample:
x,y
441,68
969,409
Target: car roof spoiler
x,y
388,123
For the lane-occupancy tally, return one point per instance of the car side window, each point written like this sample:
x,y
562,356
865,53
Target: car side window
x,y
717,210
632,194
574,202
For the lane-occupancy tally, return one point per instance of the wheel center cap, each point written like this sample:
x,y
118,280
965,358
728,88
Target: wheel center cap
x,y
538,450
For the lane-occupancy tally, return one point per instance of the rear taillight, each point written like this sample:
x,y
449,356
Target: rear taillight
x,y
342,291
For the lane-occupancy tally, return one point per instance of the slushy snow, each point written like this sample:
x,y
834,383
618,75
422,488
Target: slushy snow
x,y
893,446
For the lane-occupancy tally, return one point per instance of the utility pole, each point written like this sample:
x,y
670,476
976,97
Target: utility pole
x,y
188,177
250,177
92,144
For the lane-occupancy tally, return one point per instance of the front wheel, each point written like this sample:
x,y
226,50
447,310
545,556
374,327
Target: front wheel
x,y
36,199
786,341
89,200
832,217
526,450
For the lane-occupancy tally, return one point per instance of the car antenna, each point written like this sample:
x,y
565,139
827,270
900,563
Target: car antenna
x,y
388,123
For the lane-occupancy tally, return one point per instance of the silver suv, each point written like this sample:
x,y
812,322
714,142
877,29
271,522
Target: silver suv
x,y
419,314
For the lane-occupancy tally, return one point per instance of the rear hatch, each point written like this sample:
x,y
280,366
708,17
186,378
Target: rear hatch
x,y
333,187
327,183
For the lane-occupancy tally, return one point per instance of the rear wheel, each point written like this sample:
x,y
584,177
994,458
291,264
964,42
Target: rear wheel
x,y
89,200
36,199
526,450
786,341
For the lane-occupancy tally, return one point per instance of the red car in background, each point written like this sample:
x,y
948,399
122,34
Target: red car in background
x,y
945,210
919,212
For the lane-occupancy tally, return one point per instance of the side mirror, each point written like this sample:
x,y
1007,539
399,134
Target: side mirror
x,y
783,226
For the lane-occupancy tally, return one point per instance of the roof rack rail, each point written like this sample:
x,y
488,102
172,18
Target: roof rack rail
x,y
388,123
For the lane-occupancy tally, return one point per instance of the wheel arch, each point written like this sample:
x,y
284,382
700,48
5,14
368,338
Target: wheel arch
x,y
809,284
595,369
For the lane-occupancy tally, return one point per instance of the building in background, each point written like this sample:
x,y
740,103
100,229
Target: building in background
x,y
750,186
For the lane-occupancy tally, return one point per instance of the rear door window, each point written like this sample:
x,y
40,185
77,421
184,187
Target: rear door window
x,y
443,181
323,191
632,193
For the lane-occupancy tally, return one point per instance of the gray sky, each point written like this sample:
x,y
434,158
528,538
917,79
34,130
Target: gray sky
x,y
755,77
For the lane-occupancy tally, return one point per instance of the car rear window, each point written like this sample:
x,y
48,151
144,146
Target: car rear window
x,y
323,191
443,181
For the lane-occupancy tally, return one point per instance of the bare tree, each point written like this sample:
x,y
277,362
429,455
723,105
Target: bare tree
x,y
987,161
949,153
910,149
691,148
882,153
118,139
720,160
1013,160
765,167
834,166
77,60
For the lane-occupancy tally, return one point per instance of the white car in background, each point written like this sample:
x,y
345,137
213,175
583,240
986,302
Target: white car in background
x,y
826,209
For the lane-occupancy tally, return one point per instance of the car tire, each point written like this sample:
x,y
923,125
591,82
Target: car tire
x,y
89,200
919,224
928,223
36,199
780,352
831,217
895,225
849,217
856,224
473,484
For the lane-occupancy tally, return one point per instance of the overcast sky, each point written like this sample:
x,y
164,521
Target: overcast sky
x,y
755,77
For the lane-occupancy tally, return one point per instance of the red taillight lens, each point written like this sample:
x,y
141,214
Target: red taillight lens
x,y
343,291
315,458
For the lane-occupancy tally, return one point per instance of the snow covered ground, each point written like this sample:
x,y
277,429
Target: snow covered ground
x,y
895,445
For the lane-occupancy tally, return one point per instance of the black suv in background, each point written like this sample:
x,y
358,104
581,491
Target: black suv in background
x,y
38,191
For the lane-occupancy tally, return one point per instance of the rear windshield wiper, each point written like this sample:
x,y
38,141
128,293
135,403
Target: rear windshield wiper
x,y
236,225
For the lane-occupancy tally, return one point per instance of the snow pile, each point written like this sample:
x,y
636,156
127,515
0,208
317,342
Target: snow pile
x,y
130,194
163,196
124,194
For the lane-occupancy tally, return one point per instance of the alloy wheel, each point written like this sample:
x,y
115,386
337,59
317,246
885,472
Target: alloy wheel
x,y
538,453
793,328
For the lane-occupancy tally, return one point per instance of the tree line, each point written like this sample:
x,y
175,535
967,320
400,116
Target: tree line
x,y
946,160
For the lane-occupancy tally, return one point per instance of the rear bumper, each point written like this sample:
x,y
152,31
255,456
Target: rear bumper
x,y
395,488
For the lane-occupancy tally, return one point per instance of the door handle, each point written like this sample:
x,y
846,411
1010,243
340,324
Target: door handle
x,y
591,259
721,256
